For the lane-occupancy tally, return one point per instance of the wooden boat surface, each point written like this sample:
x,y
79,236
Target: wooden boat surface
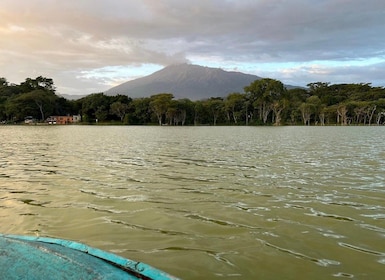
x,y
29,257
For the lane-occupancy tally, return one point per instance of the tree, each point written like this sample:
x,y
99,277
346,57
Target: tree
x,y
342,112
278,106
65,107
380,111
186,108
215,106
17,108
95,106
36,103
264,93
38,83
316,108
101,113
43,99
119,109
305,109
370,112
358,108
159,104
199,112
3,82
233,105
295,97
172,113
139,110
178,110
264,101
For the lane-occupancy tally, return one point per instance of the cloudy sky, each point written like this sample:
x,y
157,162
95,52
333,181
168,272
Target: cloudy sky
x,y
88,46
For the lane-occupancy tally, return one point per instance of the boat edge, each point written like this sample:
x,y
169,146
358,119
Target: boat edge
x,y
131,266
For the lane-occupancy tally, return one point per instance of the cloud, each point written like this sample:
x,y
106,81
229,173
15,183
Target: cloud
x,y
74,42
328,72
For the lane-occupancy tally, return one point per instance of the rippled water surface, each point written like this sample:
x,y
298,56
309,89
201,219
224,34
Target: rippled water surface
x,y
205,202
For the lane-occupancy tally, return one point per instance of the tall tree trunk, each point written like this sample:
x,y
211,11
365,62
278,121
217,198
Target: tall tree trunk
x,y
266,109
342,112
321,117
40,105
371,114
159,116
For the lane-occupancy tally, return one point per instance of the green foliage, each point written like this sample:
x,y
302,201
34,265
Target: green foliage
x,y
34,97
38,83
235,107
119,109
3,82
263,94
263,102
159,104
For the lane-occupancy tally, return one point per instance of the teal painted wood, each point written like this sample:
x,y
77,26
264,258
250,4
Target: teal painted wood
x,y
29,257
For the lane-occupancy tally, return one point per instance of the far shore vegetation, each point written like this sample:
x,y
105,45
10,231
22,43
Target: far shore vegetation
x,y
263,102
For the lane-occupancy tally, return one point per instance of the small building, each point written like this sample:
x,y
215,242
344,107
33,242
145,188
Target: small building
x,y
63,119
76,118
29,119
51,120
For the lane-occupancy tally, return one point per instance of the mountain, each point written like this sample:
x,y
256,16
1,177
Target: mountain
x,y
186,81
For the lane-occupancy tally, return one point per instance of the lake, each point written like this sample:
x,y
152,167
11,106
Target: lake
x,y
204,202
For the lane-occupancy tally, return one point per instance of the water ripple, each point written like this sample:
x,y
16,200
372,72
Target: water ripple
x,y
360,249
240,201
320,262
325,215
103,195
343,275
217,255
373,228
218,222
143,228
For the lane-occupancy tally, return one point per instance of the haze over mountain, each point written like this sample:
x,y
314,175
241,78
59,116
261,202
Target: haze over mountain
x,y
186,81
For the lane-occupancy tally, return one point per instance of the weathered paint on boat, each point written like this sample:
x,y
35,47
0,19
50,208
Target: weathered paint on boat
x,y
29,257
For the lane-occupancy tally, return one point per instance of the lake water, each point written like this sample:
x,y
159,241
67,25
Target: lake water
x,y
205,202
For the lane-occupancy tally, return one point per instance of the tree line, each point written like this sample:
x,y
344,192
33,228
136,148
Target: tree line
x,y
263,102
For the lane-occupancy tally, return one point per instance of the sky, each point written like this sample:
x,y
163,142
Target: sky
x,y
89,46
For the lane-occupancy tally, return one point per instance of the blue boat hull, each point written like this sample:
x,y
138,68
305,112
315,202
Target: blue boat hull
x,y
28,257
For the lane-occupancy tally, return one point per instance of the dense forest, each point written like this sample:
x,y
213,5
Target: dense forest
x,y
263,102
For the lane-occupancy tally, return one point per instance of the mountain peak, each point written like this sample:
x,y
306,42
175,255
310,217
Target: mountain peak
x,y
184,80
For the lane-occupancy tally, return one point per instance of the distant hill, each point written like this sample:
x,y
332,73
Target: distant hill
x,y
186,81
72,97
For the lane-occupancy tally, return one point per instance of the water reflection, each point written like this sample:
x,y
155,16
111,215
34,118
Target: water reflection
x,y
204,202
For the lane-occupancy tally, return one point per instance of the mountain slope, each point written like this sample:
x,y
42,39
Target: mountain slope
x,y
186,81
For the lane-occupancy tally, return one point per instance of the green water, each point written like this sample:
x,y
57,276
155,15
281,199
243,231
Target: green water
x,y
205,202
